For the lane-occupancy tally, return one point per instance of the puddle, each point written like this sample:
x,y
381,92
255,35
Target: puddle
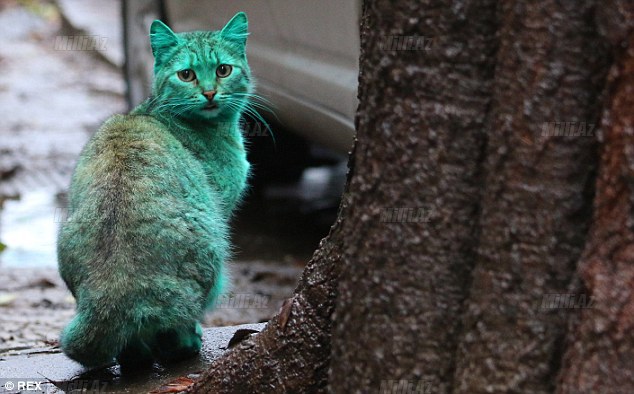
x,y
28,228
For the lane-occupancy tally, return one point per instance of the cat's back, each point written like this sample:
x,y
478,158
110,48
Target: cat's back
x,y
133,153
125,143
136,195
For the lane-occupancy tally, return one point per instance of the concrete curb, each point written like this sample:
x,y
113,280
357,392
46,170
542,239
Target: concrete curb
x,y
48,365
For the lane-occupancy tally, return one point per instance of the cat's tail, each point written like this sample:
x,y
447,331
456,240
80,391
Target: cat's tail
x,y
91,341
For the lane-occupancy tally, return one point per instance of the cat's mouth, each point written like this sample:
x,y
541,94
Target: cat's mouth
x,y
210,107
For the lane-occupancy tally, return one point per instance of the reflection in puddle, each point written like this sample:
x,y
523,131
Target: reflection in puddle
x,y
28,227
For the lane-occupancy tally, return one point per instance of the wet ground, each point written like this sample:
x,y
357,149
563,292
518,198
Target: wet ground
x,y
52,99
49,371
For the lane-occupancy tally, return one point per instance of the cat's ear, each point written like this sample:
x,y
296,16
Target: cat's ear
x,y
162,40
236,29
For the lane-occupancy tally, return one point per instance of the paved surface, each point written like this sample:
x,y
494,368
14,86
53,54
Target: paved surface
x,y
47,365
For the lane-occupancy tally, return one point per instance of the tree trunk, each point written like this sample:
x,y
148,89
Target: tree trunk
x,y
537,201
466,211
420,143
600,346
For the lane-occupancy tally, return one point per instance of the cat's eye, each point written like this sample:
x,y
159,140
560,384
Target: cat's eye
x,y
186,75
223,70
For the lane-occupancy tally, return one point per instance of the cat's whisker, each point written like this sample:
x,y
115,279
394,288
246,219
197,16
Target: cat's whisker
x,y
253,114
255,96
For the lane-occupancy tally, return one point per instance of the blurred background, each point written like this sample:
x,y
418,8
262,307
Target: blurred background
x,y
67,65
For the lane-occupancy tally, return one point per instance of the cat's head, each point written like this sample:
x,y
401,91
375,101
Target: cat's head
x,y
201,74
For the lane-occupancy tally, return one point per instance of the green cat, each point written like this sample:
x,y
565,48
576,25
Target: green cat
x,y
144,247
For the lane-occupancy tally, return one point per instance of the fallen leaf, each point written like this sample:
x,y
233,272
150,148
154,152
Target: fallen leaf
x,y
239,336
175,386
43,283
52,342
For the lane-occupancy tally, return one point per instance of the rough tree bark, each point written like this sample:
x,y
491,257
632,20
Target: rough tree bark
x,y
600,346
420,141
453,303
551,67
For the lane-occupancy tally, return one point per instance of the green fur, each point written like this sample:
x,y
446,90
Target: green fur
x,y
144,247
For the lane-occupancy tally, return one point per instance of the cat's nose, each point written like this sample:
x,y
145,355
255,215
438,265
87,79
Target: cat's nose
x,y
209,94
